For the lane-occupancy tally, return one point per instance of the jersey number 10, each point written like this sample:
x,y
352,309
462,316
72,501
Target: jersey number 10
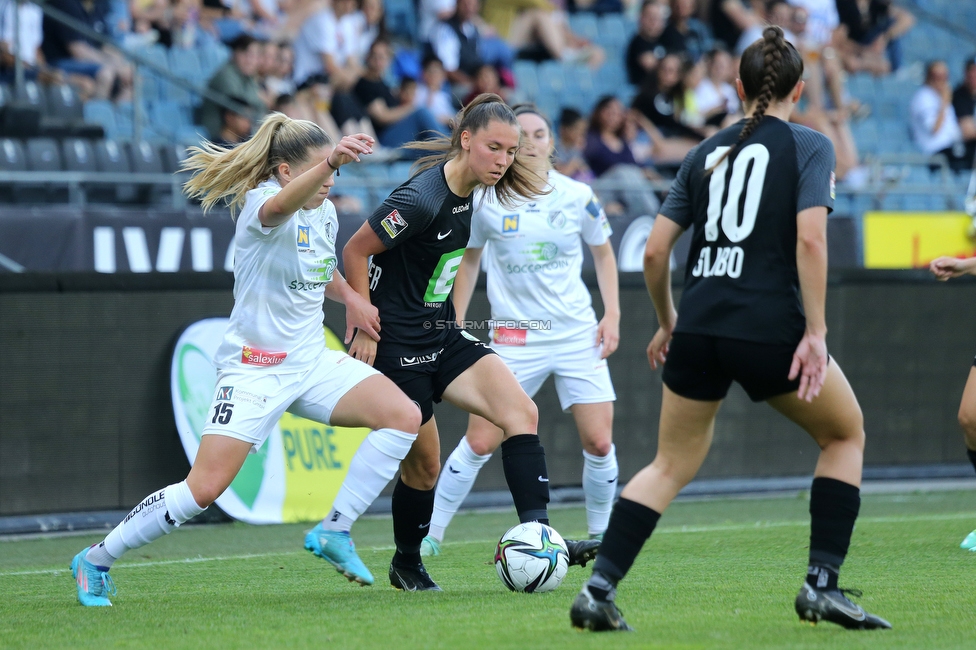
x,y
728,260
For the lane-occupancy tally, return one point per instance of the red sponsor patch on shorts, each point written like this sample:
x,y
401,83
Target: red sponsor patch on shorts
x,y
255,357
509,336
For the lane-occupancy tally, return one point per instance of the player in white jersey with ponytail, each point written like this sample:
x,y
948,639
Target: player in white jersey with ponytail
x,y
543,322
273,357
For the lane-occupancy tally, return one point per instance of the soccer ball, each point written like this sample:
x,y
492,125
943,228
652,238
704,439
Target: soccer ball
x,y
531,557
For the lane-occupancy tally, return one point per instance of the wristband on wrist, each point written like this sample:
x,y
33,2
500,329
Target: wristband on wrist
x,y
328,161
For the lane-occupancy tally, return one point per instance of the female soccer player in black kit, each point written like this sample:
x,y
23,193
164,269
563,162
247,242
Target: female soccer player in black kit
x,y
416,239
752,311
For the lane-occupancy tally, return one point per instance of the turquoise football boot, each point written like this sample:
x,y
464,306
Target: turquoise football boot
x,y
430,547
336,548
969,543
94,583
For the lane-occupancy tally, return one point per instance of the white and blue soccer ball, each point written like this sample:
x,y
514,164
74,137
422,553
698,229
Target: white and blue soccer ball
x,y
531,558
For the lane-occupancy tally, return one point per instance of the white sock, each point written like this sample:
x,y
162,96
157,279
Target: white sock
x,y
370,470
159,514
457,478
599,489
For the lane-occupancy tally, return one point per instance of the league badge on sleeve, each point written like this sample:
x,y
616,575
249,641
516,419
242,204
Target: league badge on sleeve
x,y
593,208
393,224
833,185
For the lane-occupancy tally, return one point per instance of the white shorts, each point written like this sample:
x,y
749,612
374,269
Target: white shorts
x,y
247,404
582,376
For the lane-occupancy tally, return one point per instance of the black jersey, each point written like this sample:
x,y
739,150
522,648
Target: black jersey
x,y
425,226
741,280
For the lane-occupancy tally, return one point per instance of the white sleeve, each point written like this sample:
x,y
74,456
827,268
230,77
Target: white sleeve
x,y
323,35
924,113
479,231
446,46
594,226
248,218
7,23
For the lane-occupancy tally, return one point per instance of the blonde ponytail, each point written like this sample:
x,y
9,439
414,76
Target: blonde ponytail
x,y
228,174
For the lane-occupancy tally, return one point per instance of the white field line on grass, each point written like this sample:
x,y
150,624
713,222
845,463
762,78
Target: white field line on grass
x,y
664,530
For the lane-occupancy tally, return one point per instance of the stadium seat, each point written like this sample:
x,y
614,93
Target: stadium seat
x,y
167,118
399,171
145,158
525,79
63,103
12,157
550,74
5,94
401,18
102,113
184,62
78,155
211,57
32,95
43,155
111,156
172,156
585,25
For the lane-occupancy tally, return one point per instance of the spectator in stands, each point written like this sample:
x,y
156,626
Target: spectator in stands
x,y
464,42
30,20
645,49
775,12
360,28
619,178
277,64
327,69
935,128
75,53
540,30
685,33
715,95
569,158
153,19
964,104
431,94
486,81
235,123
395,123
431,12
871,31
661,100
237,78
228,18
727,19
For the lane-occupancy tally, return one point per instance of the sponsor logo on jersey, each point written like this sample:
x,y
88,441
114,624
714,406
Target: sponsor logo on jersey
x,y
461,208
330,231
416,361
393,224
225,393
303,237
254,357
556,219
510,223
593,208
509,336
323,269
532,207
542,251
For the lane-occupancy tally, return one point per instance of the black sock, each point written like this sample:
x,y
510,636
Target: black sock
x,y
972,457
833,510
412,510
524,461
630,525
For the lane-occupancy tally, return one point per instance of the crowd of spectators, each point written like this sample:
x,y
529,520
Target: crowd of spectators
x,y
334,62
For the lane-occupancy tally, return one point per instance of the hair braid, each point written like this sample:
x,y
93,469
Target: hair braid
x,y
774,47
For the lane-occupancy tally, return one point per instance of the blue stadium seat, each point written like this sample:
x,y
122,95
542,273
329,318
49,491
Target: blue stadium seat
x,y
526,79
184,62
550,74
401,18
399,171
212,56
102,113
585,25
168,117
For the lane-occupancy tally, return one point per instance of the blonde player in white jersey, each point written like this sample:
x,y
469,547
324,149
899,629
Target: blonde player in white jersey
x,y
544,323
273,356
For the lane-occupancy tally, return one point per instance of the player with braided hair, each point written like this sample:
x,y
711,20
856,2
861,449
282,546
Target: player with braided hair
x,y
752,311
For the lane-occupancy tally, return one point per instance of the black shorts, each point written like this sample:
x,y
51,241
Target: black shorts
x,y
424,379
704,367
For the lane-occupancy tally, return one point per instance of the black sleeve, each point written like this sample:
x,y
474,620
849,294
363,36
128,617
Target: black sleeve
x,y
677,207
672,40
402,215
815,160
963,102
635,74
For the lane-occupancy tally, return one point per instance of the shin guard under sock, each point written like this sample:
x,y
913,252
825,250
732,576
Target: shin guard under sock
x,y
524,462
834,506
411,521
631,524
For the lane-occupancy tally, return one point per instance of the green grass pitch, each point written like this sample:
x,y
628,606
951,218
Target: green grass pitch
x,y
717,574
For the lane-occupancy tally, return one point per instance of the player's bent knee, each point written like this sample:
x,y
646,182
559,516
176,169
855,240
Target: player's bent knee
x,y
483,445
967,420
600,447
406,418
206,493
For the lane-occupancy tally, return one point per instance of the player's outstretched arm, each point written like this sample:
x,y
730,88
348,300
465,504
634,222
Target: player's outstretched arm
x,y
810,358
465,280
608,330
303,187
944,268
657,277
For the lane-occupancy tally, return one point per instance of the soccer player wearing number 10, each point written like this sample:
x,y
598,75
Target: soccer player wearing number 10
x,y
752,311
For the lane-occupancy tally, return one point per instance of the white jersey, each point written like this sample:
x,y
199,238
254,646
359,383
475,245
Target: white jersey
x,y
534,258
280,276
